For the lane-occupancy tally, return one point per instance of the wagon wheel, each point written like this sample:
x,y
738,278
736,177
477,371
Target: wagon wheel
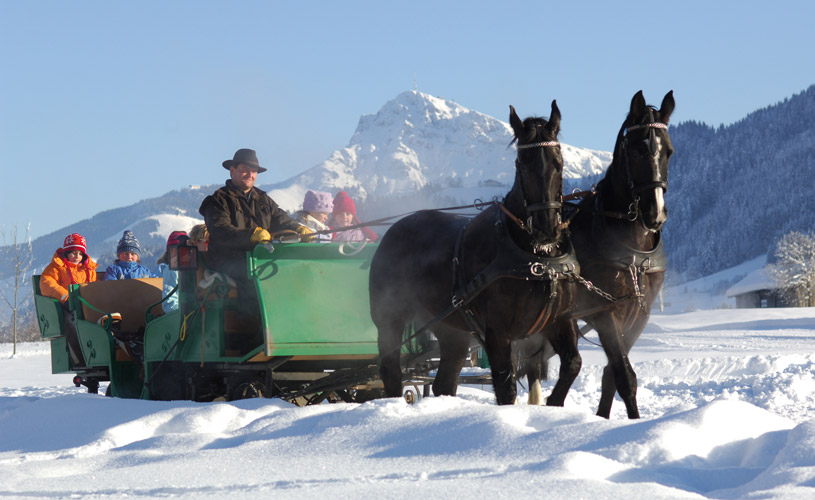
x,y
248,390
410,396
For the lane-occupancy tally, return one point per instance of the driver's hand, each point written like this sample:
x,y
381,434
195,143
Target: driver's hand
x,y
260,236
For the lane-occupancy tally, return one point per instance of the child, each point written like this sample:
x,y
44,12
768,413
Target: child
x,y
168,276
316,207
345,214
199,236
69,266
127,265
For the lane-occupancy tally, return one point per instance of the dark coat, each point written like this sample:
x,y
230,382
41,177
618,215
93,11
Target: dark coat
x,y
231,218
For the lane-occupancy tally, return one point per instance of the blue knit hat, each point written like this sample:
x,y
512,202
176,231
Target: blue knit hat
x,y
128,243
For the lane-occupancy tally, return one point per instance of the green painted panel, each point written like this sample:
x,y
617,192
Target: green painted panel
x,y
125,381
49,312
315,299
97,344
204,337
59,355
49,316
160,336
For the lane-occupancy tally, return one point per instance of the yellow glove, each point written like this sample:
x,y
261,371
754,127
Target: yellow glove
x,y
260,236
304,232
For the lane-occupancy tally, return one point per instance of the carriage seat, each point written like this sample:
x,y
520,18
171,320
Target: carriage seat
x,y
130,297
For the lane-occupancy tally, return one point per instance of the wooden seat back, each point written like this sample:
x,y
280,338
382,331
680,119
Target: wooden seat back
x,y
130,298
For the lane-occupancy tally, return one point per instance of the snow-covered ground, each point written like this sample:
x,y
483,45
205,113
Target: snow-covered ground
x,y
727,398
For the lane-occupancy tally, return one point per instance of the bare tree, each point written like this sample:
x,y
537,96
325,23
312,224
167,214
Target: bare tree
x,y
20,257
794,269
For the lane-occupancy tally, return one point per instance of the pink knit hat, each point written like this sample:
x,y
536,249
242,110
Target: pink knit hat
x,y
344,203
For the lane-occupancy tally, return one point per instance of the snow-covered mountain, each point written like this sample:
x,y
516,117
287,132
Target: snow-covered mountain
x,y
419,142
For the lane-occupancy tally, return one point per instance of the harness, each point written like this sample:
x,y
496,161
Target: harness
x,y
511,262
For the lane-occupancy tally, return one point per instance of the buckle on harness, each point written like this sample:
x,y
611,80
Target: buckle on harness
x,y
457,302
537,269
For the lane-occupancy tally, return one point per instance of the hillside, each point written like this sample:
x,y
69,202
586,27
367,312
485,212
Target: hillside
x,y
734,190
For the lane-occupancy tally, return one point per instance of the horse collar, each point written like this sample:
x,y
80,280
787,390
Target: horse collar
x,y
510,261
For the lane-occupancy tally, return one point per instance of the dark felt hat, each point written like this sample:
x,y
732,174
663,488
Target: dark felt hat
x,y
246,156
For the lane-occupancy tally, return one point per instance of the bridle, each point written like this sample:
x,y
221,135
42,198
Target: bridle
x,y
654,149
540,206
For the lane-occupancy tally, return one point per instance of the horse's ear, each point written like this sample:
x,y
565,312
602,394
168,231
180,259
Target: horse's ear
x,y
515,122
554,119
637,105
667,107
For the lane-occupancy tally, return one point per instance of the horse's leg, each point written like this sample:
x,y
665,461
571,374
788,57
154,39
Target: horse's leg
x,y
564,342
618,375
499,353
607,391
534,375
390,348
453,354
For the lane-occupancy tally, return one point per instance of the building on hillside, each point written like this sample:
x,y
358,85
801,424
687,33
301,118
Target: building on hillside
x,y
757,290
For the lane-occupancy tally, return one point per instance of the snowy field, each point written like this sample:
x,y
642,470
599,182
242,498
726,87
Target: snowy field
x,y
727,398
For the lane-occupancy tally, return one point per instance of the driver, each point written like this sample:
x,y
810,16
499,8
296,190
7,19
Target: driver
x,y
239,216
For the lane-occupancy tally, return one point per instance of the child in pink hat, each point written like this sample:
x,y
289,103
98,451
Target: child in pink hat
x,y
344,215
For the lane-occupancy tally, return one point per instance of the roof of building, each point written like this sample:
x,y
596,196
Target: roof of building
x,y
753,282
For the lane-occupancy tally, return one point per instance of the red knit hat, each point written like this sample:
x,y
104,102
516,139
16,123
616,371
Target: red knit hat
x,y
175,236
344,203
74,241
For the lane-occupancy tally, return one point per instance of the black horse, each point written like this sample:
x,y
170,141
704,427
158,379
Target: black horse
x,y
617,236
503,275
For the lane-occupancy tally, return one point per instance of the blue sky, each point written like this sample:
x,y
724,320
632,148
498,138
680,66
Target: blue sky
x,y
106,103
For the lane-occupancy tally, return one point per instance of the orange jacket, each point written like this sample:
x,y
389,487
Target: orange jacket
x,y
60,273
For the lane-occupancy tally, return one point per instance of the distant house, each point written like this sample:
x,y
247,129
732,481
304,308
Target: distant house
x,y
491,183
757,290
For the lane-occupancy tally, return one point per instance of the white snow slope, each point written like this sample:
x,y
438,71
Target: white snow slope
x,y
727,398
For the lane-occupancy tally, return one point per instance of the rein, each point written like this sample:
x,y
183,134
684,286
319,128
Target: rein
x,y
386,221
525,227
